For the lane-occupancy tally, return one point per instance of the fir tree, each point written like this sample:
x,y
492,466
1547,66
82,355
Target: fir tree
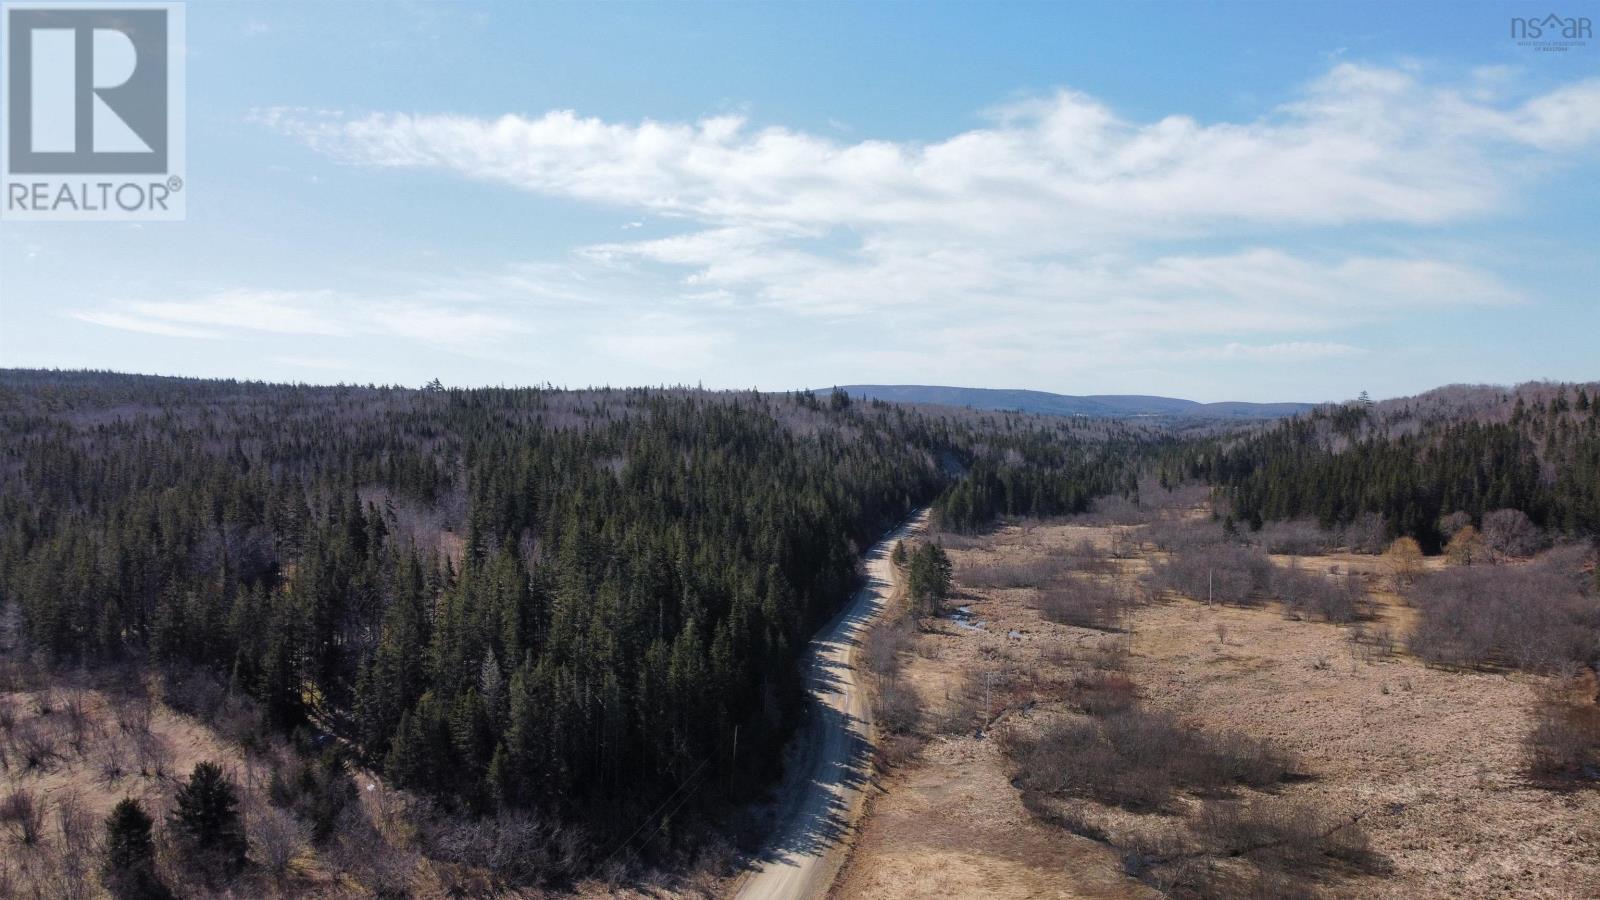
x,y
206,814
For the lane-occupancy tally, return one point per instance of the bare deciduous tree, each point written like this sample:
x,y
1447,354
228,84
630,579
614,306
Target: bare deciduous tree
x,y
276,836
1509,532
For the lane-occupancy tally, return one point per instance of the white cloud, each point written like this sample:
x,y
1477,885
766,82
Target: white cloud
x,y
685,349
1363,144
278,312
313,313
143,325
324,363
1059,228
1289,351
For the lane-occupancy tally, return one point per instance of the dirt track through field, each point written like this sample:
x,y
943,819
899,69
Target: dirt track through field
x,y
829,759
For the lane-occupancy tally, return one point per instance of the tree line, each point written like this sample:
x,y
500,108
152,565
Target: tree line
x,y
1536,450
563,601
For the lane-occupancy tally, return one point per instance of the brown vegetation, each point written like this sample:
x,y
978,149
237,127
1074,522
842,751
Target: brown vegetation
x,y
1522,617
1169,762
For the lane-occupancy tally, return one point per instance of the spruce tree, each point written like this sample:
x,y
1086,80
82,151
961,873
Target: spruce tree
x,y
129,847
207,816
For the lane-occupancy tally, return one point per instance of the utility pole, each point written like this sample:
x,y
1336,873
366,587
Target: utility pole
x,y
734,759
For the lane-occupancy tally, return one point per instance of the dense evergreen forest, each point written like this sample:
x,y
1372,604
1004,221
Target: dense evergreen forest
x,y
1465,450
564,601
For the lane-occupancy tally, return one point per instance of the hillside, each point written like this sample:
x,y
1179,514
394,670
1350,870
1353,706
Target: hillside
x,y
1453,451
511,601
1096,405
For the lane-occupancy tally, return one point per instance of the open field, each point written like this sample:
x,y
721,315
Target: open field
x,y
1430,760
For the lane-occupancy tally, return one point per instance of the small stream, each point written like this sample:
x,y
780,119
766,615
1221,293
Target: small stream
x,y
963,617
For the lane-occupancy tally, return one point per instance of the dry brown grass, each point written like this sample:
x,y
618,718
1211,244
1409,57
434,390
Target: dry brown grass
x,y
1434,761
73,745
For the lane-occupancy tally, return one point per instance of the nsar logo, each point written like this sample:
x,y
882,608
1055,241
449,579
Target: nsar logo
x,y
1552,33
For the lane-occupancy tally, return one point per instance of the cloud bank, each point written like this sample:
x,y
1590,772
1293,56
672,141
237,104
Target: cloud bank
x,y
1057,225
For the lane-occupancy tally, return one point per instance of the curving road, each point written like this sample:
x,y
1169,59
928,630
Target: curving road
x,y
829,760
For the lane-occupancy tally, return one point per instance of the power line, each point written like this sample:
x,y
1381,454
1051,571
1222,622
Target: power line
x,y
625,841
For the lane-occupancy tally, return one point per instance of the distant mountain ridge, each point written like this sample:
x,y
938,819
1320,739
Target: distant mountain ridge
x,y
1046,403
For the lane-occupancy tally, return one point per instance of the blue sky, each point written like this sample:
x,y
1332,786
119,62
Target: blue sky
x,y
1249,201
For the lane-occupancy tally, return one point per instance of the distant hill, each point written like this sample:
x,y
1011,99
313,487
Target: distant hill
x,y
1043,402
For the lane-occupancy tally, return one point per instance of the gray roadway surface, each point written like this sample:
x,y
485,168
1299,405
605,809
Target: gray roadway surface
x,y
829,761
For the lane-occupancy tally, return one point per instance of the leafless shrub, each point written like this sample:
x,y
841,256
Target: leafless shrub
x,y
1173,533
716,857
8,715
1164,858
1332,598
36,744
133,714
1136,759
963,709
1298,536
952,540
1195,759
896,707
77,846
383,868
1071,816
1100,693
1108,654
1086,556
893,750
1085,602
1564,742
1383,641
1367,533
1114,509
518,848
884,644
1057,654
1125,543
1242,759
1076,759
276,836
1374,643
113,762
1509,532
238,719
1517,616
75,825
1279,834
1574,561
1224,573
152,754
1450,523
23,814
1014,573
79,723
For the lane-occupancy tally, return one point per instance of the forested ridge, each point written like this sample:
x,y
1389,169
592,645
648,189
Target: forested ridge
x,y
1413,461
563,601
